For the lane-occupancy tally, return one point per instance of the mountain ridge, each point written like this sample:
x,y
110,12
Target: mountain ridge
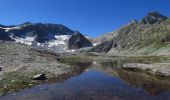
x,y
44,35
148,36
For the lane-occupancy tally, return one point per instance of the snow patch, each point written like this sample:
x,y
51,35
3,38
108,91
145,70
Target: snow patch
x,y
94,44
59,44
27,40
7,29
71,50
60,40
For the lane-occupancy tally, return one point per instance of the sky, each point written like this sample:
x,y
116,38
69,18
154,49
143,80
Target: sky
x,y
91,17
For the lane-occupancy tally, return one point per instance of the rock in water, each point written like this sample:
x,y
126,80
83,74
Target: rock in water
x,y
40,77
78,41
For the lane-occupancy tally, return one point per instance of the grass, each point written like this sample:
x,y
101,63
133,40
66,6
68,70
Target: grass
x,y
76,58
148,59
122,59
15,81
168,20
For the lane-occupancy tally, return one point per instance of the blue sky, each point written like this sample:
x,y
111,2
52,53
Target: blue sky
x,y
92,17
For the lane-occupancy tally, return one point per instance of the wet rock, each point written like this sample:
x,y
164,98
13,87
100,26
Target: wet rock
x,y
40,77
160,69
0,69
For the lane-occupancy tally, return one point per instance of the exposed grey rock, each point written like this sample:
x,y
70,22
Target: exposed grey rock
x,y
160,69
153,17
40,77
103,47
78,41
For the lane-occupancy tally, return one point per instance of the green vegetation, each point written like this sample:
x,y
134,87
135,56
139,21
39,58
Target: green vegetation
x,y
148,59
76,58
14,81
168,20
141,39
120,59
147,39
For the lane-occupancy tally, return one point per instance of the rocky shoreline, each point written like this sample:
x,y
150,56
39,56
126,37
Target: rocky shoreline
x,y
160,69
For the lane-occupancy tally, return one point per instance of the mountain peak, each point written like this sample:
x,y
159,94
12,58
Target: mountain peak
x,y
154,13
26,23
153,17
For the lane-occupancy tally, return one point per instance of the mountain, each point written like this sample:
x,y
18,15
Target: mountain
x,y
150,36
78,41
51,36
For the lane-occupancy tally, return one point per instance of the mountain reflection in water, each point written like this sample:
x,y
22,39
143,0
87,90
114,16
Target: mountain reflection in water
x,y
98,81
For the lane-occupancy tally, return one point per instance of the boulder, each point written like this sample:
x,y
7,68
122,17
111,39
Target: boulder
x,y
103,47
40,77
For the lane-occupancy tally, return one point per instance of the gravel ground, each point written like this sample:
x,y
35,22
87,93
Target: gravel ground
x,y
14,56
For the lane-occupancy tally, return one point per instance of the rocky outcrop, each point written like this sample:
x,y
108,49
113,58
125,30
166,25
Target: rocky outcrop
x,y
153,17
160,69
77,41
103,47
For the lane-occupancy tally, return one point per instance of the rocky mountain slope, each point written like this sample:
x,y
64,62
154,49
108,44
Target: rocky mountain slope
x,y
51,36
20,64
150,36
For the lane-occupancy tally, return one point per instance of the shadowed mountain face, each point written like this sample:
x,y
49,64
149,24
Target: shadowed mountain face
x,y
49,36
43,32
4,36
78,41
149,36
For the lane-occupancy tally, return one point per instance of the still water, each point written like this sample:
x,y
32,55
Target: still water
x,y
98,81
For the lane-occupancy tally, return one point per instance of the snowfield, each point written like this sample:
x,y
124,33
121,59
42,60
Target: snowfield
x,y
7,29
58,44
60,40
27,40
